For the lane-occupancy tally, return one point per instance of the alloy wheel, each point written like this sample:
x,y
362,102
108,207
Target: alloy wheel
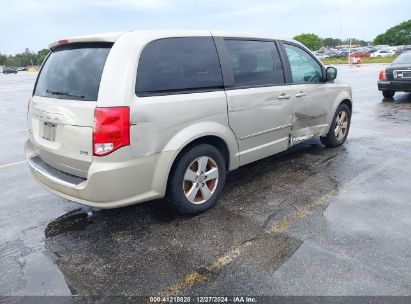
x,y
341,125
200,180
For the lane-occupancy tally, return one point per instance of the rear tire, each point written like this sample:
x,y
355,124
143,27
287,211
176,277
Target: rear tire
x,y
197,179
388,94
339,128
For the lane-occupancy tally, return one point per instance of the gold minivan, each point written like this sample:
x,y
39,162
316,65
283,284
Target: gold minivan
x,y
121,118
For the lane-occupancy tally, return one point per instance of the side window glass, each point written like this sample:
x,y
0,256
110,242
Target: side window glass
x,y
254,63
303,67
178,64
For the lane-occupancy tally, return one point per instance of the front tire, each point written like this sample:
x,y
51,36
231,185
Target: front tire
x,y
339,128
388,94
197,179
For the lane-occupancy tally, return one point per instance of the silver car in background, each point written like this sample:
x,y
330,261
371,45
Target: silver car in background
x,y
121,118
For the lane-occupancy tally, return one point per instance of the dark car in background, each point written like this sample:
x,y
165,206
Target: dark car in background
x,y
9,71
343,53
402,49
396,77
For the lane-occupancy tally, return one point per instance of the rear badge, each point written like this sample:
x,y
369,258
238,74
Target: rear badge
x,y
83,152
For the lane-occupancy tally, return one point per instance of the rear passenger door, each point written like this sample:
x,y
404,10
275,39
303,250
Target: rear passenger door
x,y
179,92
259,105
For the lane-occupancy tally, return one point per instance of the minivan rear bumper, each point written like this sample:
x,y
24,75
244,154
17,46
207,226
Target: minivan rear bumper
x,y
109,184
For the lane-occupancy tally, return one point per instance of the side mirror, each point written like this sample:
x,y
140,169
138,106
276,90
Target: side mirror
x,y
330,73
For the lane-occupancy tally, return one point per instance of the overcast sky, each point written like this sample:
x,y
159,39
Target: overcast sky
x,y
35,23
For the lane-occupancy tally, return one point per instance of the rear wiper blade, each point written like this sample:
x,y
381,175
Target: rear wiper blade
x,y
64,93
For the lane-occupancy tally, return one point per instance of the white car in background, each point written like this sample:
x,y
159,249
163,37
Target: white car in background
x,y
320,55
383,53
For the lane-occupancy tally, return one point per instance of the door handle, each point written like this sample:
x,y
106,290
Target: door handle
x,y
284,96
300,94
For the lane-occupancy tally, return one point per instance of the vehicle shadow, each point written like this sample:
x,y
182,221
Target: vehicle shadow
x,y
137,249
161,211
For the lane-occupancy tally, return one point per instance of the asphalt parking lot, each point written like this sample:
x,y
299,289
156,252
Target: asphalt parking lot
x,y
312,221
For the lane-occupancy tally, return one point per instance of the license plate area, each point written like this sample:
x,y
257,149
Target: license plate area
x,y
49,131
406,75
402,74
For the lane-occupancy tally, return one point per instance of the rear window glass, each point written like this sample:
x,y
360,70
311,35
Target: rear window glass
x,y
404,58
177,65
73,72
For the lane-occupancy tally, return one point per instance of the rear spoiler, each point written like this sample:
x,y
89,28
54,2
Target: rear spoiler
x,y
111,37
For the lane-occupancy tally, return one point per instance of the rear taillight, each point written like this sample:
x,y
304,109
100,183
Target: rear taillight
x,y
382,75
111,129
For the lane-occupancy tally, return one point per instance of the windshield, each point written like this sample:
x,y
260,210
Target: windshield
x,y
73,71
404,58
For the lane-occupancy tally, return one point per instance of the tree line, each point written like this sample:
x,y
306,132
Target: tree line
x,y
24,59
314,42
396,35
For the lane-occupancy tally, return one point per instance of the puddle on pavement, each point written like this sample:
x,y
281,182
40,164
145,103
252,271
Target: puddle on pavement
x,y
75,220
270,253
396,110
